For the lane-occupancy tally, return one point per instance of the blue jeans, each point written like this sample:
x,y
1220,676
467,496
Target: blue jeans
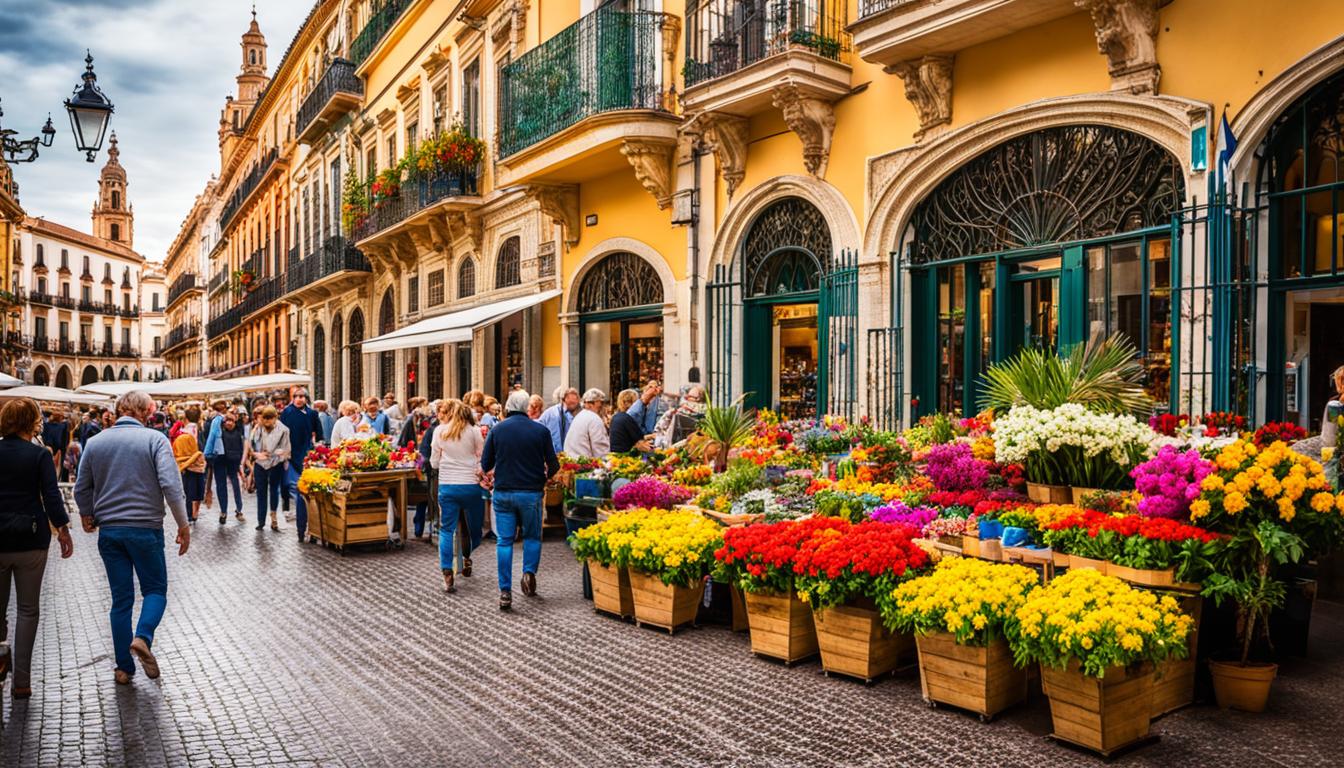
x,y
456,502
292,489
268,488
517,512
137,551
226,471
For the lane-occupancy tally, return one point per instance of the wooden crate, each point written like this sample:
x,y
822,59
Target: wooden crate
x,y
781,626
662,605
1076,562
1103,714
853,642
1174,679
982,680
356,512
611,589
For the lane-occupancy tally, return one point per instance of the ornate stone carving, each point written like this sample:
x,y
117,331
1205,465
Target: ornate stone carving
x,y
652,161
812,119
436,60
928,86
1127,35
408,90
517,11
726,136
561,203
670,26
465,226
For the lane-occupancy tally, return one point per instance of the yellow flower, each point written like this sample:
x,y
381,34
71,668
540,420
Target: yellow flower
x,y
1234,502
1322,502
1212,483
1198,508
1287,511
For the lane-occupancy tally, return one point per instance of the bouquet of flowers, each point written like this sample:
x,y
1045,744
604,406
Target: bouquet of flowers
x,y
899,513
760,557
1167,423
652,493
1222,422
847,562
1169,481
361,455
969,598
1099,621
953,467
620,465
1071,445
575,464
1277,431
314,480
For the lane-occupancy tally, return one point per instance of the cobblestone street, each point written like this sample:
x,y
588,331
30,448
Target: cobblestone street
x,y
276,654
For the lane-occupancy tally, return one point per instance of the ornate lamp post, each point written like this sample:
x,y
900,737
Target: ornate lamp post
x,y
89,111
25,151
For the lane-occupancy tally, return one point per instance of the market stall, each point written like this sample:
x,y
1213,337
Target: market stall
x,y
356,489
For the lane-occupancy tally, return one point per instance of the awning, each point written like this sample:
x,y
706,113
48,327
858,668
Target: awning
x,y
269,381
9,381
55,395
199,387
454,326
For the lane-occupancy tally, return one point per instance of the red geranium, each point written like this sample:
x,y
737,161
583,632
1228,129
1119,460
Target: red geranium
x,y
956,498
760,557
837,565
1276,431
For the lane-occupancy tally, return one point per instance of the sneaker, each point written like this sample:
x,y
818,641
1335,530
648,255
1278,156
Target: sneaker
x,y
147,661
505,600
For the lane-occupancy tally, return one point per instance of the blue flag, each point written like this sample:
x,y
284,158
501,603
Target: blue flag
x,y
1227,146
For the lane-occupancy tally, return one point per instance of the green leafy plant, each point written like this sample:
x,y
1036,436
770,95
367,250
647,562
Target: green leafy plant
x,y
1102,375
1254,553
727,427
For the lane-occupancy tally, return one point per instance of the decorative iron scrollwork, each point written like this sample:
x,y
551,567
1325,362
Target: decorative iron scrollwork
x,y
1055,185
620,280
786,250
508,265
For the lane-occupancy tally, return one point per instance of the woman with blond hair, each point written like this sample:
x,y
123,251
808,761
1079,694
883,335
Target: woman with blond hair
x,y
456,454
347,425
191,463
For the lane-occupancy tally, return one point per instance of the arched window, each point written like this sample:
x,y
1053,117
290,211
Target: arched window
x,y
319,362
466,278
40,376
618,281
89,376
116,232
337,361
63,377
125,375
116,200
508,267
387,361
356,354
109,374
253,55
135,376
786,250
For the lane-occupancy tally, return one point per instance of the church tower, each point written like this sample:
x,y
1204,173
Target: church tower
x,y
251,81
113,218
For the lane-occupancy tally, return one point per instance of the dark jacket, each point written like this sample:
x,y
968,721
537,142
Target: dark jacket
x,y
304,430
232,441
519,450
56,434
625,432
29,497
427,440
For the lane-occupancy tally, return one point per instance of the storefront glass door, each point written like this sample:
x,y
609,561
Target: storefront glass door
x,y
622,352
782,360
1035,297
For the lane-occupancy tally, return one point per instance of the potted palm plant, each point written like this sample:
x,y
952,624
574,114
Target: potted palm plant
x,y
727,427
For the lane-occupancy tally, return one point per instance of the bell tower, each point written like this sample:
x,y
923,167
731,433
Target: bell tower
x,y
251,81
113,218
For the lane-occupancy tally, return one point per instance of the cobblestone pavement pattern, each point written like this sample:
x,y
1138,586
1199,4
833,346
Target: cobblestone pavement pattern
x,y
276,655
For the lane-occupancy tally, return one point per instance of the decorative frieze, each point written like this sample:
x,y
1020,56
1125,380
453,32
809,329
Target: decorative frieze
x,y
1127,34
928,87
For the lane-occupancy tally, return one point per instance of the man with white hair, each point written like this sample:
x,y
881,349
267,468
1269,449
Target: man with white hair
x,y
127,474
559,417
519,453
588,434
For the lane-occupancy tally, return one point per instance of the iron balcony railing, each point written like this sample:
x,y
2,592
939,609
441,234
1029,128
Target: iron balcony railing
x,y
218,280
14,340
86,347
267,292
339,78
64,302
131,311
723,36
187,281
336,255
605,61
41,344
415,195
293,259
873,7
385,14
246,187
126,350
220,324
41,298
255,263
183,332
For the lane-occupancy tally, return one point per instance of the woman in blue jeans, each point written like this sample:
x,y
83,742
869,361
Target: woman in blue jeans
x,y
456,454
227,465
267,451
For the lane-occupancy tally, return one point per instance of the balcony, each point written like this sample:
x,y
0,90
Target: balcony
x,y
242,193
415,203
338,92
337,266
65,346
41,344
14,341
187,282
184,332
382,20
267,292
217,281
64,302
799,39
127,350
45,299
889,32
593,98
133,311
221,324
86,348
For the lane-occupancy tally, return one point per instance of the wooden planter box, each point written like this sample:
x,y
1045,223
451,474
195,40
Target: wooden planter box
x,y
982,680
611,589
1086,562
781,627
1104,715
853,642
356,512
1049,494
1174,679
661,605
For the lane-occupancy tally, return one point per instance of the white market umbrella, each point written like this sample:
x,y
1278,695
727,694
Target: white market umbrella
x,y
55,395
7,381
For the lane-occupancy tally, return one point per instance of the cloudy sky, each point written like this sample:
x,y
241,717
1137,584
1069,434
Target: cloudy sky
x,y
165,64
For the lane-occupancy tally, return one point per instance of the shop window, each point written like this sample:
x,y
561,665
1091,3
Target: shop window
x,y
620,315
434,372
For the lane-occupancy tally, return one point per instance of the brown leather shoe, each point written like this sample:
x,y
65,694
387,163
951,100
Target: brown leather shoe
x,y
505,600
448,581
466,567
530,584
122,677
147,661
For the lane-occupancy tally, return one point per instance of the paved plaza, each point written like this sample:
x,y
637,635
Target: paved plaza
x,y
279,655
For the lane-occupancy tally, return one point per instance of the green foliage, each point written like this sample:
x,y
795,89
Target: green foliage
x,y
728,426
1249,578
1102,375
741,477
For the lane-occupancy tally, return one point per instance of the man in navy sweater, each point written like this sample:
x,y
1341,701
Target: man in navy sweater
x,y
519,452
304,430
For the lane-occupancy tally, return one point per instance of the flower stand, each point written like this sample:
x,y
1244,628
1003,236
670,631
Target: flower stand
x,y
980,679
1174,679
853,642
1104,714
356,512
611,590
781,626
663,605
1048,494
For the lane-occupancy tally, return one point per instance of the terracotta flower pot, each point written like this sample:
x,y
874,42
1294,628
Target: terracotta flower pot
x,y
1242,687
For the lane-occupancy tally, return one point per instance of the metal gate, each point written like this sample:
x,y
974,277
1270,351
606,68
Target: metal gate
x,y
723,302
837,329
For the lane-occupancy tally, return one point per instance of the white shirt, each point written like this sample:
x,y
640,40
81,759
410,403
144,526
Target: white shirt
x,y
588,436
457,460
344,429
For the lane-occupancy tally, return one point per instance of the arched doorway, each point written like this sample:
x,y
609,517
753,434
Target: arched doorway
x,y
387,361
357,355
1301,185
40,376
89,376
109,374
135,376
620,305
319,362
63,377
124,375
1042,240
337,361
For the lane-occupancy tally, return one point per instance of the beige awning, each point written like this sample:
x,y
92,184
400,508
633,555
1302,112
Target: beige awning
x,y
454,326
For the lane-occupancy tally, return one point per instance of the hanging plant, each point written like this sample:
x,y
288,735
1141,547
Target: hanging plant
x,y
354,202
244,281
386,185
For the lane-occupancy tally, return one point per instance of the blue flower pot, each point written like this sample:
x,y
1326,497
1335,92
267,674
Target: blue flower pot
x,y
588,488
990,529
1014,536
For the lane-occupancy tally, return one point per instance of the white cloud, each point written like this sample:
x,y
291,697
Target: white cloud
x,y
165,64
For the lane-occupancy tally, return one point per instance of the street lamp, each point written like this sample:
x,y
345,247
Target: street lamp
x,y
89,110
25,151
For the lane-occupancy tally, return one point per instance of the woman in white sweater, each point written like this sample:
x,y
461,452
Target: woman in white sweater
x,y
456,453
347,425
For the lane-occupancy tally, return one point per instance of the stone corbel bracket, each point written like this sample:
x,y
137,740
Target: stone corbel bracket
x,y
561,203
1127,35
726,136
928,87
465,227
652,161
811,118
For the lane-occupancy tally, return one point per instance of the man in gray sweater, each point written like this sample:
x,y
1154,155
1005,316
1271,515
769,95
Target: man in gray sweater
x,y
126,474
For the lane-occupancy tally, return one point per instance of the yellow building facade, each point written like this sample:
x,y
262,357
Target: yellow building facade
x,y
848,208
